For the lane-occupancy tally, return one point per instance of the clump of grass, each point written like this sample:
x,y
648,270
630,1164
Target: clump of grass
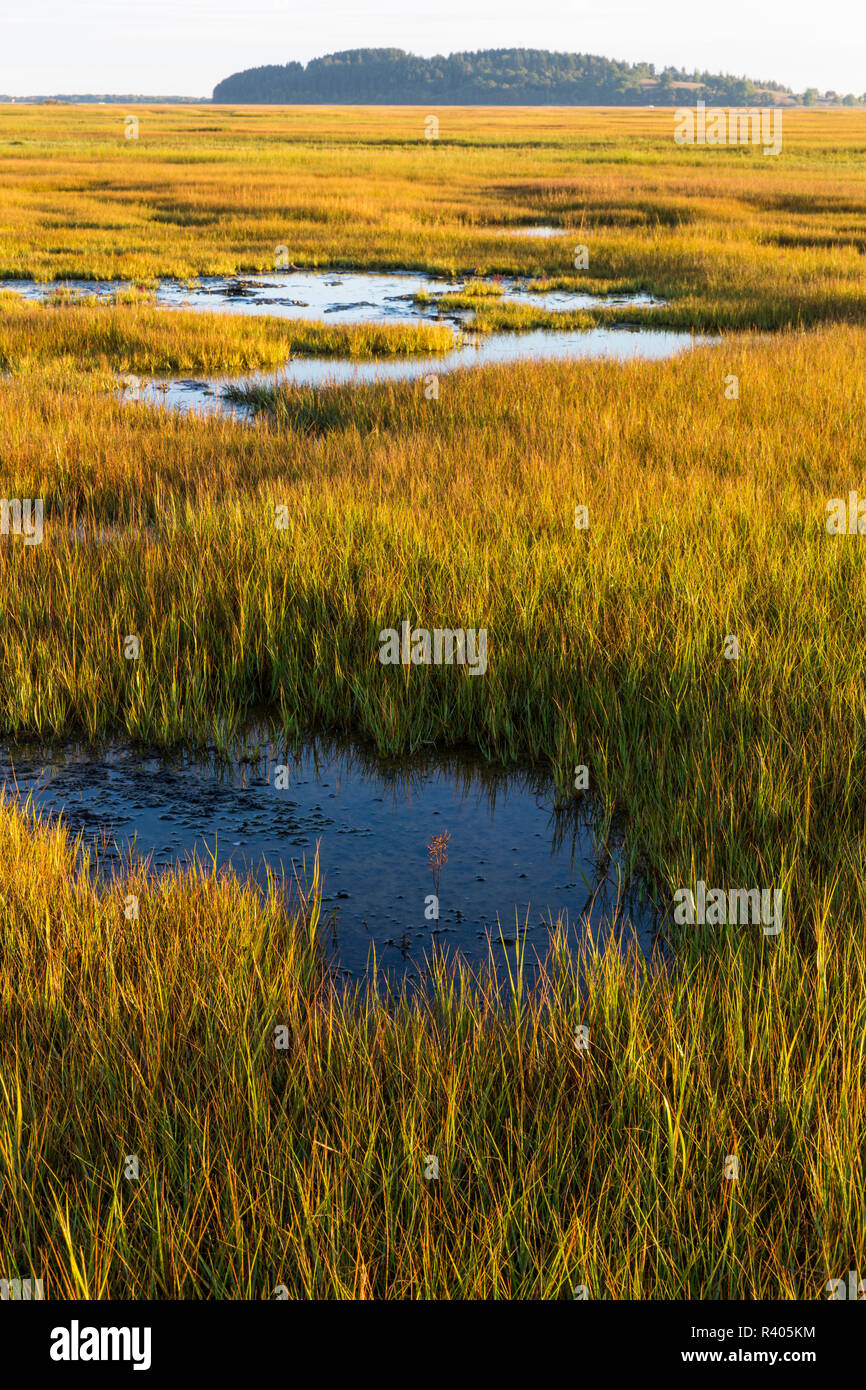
x,y
74,296
437,853
134,337
465,298
371,339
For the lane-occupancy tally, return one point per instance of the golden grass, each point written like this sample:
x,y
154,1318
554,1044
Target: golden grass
x,y
737,234
605,646
304,1166
139,338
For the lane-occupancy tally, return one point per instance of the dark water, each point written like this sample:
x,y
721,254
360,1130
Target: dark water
x,y
512,860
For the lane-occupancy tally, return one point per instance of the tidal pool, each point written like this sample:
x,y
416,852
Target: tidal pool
x,y
514,863
351,296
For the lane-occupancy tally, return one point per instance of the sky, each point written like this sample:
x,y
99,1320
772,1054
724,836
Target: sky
x,y
184,47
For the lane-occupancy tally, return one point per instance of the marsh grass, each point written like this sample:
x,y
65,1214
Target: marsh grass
x,y
465,298
707,517
129,335
304,1166
506,316
605,646
732,237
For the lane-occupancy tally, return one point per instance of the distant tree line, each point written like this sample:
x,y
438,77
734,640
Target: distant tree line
x,y
501,77
109,99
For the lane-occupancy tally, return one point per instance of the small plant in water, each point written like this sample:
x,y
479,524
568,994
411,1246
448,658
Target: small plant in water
x,y
437,853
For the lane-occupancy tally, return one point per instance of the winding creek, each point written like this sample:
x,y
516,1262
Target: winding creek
x,y
359,297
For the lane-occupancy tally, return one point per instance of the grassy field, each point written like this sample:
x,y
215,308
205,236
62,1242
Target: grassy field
x,y
305,1167
734,238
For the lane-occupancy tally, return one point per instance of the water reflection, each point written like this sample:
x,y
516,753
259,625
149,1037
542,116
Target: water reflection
x,y
514,860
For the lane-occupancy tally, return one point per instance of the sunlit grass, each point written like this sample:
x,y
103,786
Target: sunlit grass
x,y
731,236
155,1036
303,1166
707,517
136,337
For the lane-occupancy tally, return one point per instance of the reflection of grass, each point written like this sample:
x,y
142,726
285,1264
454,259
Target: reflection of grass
x,y
729,236
281,1128
136,337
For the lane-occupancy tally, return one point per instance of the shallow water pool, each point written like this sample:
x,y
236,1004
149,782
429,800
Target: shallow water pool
x,y
513,862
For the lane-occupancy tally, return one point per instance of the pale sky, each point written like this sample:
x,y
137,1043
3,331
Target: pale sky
x,y
184,47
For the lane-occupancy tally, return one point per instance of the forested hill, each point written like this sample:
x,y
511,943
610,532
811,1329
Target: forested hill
x,y
500,77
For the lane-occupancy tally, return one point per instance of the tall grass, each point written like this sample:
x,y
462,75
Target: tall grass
x,y
138,338
606,646
304,1166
